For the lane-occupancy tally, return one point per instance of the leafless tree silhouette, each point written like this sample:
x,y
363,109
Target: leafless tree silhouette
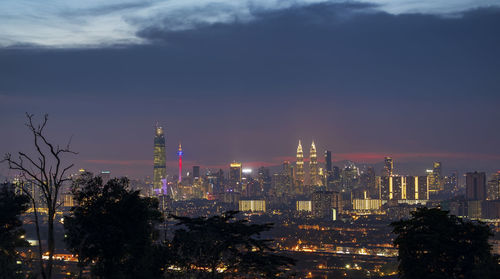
x,y
46,172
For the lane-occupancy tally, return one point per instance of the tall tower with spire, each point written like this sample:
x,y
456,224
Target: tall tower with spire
x,y
160,162
179,155
299,174
313,166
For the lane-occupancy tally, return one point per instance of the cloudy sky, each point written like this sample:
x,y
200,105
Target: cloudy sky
x,y
245,80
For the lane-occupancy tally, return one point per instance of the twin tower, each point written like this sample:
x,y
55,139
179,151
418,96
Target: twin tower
x,y
160,172
314,176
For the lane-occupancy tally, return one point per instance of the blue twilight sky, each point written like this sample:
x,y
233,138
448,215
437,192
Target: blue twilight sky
x,y
245,80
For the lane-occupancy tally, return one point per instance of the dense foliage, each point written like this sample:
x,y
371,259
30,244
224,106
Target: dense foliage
x,y
433,244
112,229
224,246
11,232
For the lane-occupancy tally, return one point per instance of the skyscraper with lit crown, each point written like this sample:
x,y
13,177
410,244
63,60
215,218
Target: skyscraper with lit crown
x,y
436,179
299,174
313,166
235,177
160,162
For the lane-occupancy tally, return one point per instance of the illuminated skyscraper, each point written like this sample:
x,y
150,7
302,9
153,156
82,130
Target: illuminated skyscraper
x,y
313,166
159,169
396,187
388,166
235,177
435,179
179,155
494,187
299,174
415,188
399,187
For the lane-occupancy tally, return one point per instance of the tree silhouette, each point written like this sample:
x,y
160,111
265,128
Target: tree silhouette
x,y
433,244
112,229
224,246
47,172
11,232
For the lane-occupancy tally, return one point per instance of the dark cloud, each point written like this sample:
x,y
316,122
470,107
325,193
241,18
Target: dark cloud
x,y
322,49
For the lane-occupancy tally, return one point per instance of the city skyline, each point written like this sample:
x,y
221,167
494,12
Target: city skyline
x,y
406,163
250,139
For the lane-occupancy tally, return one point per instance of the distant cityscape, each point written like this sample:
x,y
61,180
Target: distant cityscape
x,y
332,218
353,188
249,139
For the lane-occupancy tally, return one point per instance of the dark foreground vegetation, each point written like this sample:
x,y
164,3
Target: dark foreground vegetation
x,y
433,244
113,230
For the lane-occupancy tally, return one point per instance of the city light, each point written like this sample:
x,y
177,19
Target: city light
x,y
324,139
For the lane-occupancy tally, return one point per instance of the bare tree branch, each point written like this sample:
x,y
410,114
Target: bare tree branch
x,y
47,173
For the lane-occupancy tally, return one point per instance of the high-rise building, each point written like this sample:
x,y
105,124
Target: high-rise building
x,y
396,187
252,187
264,179
367,181
349,177
313,167
179,155
279,186
324,201
416,188
435,178
385,187
212,183
235,177
328,173
475,187
336,173
285,180
437,169
388,166
288,170
222,183
299,174
450,183
198,191
196,172
252,205
328,160
159,168
366,204
494,187
304,206
402,188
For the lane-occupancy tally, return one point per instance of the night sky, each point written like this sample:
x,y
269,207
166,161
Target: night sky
x,y
245,80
